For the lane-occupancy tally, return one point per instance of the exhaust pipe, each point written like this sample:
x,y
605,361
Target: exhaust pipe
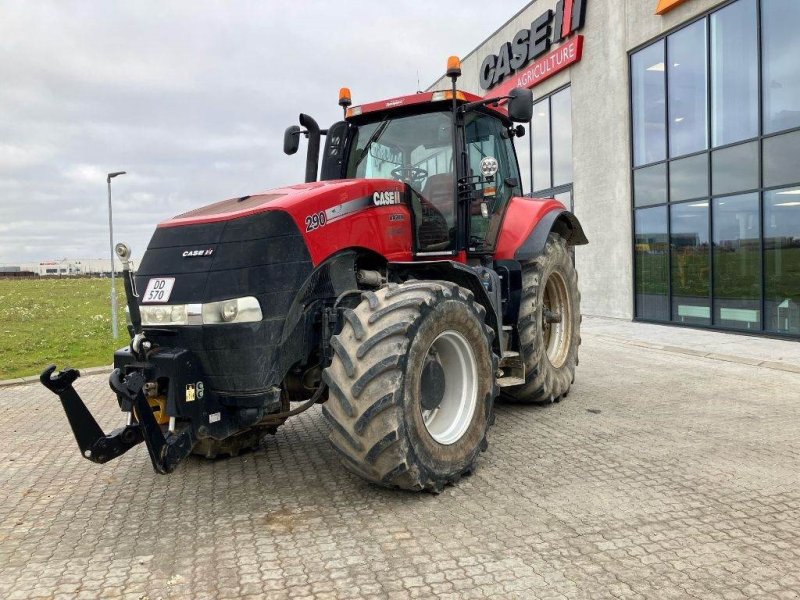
x,y
312,155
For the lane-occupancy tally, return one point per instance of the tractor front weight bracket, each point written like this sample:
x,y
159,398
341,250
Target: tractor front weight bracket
x,y
95,445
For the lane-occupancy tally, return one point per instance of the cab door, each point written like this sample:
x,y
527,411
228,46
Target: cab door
x,y
487,140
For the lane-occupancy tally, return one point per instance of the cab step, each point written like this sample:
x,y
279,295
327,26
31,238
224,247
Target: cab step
x,y
510,381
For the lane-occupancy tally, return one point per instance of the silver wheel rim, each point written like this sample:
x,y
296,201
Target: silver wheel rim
x,y
556,322
448,422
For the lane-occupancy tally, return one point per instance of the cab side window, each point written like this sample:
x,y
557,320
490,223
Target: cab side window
x,y
487,137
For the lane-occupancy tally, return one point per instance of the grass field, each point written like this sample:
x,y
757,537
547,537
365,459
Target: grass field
x,y
61,321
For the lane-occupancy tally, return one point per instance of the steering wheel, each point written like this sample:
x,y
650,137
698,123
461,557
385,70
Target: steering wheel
x,y
409,173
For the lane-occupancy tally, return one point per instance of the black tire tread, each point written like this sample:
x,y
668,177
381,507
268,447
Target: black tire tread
x,y
543,383
364,407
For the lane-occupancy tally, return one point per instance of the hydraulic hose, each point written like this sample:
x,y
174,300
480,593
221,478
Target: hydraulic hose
x,y
296,411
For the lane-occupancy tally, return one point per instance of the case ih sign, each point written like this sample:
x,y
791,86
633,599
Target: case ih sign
x,y
550,28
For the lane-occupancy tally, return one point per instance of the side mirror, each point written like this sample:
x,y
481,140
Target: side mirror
x,y
291,139
520,105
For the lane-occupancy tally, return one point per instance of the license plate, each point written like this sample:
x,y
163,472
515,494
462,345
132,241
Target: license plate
x,y
158,289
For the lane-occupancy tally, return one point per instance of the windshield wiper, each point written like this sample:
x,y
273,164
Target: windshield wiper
x,y
373,138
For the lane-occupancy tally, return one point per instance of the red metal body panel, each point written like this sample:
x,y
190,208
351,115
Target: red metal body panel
x,y
353,220
414,99
522,217
409,100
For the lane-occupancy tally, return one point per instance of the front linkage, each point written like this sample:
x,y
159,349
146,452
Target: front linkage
x,y
166,451
95,445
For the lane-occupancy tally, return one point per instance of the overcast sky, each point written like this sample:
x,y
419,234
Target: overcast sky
x,y
191,98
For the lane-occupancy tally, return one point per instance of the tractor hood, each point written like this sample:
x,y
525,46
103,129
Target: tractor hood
x,y
265,246
327,215
297,200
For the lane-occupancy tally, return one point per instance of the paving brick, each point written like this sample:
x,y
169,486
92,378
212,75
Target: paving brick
x,y
682,482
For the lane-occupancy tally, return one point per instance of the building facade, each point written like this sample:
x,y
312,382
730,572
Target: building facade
x,y
672,130
77,266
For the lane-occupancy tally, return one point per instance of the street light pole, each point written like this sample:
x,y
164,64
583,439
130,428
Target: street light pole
x,y
114,327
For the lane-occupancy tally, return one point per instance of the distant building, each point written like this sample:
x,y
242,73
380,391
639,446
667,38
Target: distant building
x,y
75,266
64,267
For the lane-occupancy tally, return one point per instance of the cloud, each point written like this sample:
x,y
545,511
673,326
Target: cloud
x,y
190,98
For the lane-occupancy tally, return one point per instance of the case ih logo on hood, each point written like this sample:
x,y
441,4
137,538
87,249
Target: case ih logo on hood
x,y
386,198
552,27
192,253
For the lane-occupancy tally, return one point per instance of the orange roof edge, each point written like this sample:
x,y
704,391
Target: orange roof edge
x,y
664,6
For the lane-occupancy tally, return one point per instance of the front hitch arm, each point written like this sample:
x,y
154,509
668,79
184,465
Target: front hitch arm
x,y
95,445
165,452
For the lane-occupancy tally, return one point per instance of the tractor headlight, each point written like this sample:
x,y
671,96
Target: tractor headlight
x,y
229,310
176,314
237,310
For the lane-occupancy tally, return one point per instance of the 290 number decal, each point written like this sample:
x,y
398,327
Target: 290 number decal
x,y
315,221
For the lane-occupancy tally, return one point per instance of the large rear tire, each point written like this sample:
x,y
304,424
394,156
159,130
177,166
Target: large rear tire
x,y
411,385
549,325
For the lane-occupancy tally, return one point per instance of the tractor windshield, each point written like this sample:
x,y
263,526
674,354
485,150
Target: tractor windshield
x,y
417,150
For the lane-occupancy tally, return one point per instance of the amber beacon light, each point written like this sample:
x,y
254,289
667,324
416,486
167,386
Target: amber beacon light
x,y
453,67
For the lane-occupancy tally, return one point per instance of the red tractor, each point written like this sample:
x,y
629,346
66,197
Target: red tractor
x,y
405,290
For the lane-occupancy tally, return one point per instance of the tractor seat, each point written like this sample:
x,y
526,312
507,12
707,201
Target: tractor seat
x,y
438,190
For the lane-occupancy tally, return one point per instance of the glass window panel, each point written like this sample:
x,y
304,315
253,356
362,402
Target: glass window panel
x,y
688,178
565,198
691,264
688,83
782,159
561,114
649,105
650,185
737,262
541,145
735,169
781,47
782,260
652,264
734,73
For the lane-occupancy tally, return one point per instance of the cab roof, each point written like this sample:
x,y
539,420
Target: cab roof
x,y
418,99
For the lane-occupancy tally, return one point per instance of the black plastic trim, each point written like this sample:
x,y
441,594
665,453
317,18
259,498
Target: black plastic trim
x,y
561,221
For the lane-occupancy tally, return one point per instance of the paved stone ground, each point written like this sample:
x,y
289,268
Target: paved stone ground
x,y
663,475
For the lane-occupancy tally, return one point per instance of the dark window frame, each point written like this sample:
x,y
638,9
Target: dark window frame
x,y
761,190
551,191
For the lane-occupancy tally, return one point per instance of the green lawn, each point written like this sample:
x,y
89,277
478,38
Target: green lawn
x,y
61,321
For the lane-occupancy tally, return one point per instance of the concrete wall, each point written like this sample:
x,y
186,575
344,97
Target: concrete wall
x,y
601,133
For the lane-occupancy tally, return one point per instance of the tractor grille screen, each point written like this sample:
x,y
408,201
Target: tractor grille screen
x,y
263,255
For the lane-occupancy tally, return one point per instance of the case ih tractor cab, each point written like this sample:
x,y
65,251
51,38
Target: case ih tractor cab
x,y
404,290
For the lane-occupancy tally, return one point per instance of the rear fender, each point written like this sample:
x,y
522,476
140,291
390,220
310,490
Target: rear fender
x,y
527,224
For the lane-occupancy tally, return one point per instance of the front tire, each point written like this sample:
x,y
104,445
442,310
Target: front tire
x,y
412,385
549,325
